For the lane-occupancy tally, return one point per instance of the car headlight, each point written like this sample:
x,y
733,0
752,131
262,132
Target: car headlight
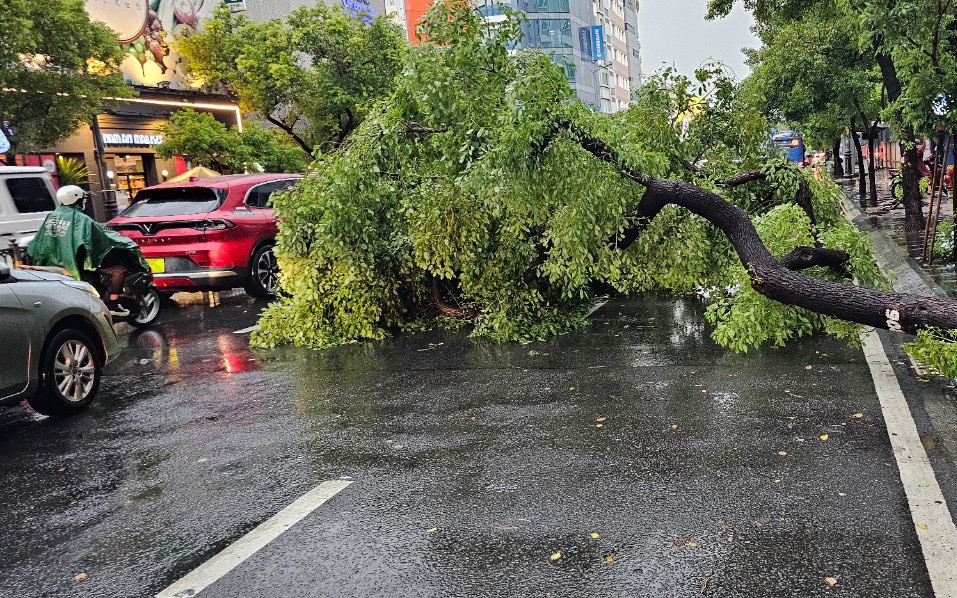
x,y
84,286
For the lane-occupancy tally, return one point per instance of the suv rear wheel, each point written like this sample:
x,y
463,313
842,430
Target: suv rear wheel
x,y
263,273
70,369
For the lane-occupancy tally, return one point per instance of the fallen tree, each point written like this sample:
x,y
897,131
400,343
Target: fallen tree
x,y
483,191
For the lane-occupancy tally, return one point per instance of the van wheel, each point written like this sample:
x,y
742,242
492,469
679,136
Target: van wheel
x,y
263,273
71,370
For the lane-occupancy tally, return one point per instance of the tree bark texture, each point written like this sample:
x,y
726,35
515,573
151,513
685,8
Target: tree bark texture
x,y
861,171
837,159
779,280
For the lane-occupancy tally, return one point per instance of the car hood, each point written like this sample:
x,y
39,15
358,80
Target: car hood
x,y
39,275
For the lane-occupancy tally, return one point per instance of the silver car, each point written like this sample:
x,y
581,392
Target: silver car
x,y
55,337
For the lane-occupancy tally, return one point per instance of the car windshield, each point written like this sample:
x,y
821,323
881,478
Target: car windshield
x,y
175,202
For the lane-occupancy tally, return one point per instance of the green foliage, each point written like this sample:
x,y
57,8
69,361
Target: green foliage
x,y
206,141
63,64
937,349
71,171
315,76
462,177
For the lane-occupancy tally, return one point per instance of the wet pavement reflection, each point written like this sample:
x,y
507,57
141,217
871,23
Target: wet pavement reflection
x,y
473,463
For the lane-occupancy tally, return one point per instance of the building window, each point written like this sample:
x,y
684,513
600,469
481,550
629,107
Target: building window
x,y
552,33
545,5
567,63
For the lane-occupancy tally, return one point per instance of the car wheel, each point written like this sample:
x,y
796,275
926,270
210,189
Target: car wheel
x,y
263,273
150,306
71,370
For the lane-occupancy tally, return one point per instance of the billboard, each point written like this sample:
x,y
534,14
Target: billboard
x,y
146,29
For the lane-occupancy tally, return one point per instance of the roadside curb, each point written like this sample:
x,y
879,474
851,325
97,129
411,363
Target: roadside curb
x,y
908,276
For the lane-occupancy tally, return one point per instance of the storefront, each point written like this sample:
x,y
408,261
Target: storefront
x,y
121,159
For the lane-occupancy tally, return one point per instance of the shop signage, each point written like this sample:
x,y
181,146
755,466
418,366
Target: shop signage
x,y
236,5
360,7
131,139
598,42
584,41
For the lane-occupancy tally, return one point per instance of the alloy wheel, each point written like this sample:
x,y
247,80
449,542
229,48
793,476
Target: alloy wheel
x,y
267,270
74,371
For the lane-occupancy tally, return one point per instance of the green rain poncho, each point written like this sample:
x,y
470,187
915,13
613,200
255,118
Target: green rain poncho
x,y
65,231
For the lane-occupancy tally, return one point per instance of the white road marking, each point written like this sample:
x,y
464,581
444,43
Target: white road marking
x,y
595,308
247,330
240,550
935,527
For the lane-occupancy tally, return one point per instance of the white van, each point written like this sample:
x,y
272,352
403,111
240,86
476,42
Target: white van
x,y
26,197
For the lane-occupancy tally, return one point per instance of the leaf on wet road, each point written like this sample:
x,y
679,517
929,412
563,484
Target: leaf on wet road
x,y
831,581
594,536
601,419
674,426
824,437
555,556
809,367
858,415
922,526
599,425
782,453
80,576
609,559
431,530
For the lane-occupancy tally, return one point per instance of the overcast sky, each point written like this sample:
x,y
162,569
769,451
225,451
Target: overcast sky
x,y
675,32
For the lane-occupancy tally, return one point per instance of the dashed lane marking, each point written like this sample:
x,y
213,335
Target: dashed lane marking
x,y
247,330
240,550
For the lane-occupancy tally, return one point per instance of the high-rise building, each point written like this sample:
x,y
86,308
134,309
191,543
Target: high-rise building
x,y
596,41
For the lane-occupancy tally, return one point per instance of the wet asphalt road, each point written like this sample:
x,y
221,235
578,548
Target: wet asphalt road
x,y
471,463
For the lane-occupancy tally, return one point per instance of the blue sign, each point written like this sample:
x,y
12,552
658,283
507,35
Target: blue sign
x,y
598,42
584,40
360,8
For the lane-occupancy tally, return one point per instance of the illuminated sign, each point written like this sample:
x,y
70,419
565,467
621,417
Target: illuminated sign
x,y
148,30
131,139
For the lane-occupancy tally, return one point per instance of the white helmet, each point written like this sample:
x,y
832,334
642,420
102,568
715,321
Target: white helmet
x,y
69,195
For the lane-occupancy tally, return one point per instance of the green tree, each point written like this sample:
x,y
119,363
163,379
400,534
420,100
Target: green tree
x,y
876,27
813,74
208,142
314,76
56,68
482,190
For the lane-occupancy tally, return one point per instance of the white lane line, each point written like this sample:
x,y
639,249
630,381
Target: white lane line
x,y
240,550
935,527
246,330
595,308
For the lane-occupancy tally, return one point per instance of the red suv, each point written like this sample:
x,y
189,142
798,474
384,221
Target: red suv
x,y
210,234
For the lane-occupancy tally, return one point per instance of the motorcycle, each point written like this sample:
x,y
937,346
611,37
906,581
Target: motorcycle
x,y
140,296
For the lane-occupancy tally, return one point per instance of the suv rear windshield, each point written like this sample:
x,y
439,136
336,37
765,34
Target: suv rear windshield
x,y
175,202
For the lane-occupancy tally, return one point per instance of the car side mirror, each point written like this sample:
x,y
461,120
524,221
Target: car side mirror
x,y
4,272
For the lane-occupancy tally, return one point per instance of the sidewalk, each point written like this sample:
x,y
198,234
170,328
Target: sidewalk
x,y
932,399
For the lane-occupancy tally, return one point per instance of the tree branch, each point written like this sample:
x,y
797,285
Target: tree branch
x,y
770,277
291,132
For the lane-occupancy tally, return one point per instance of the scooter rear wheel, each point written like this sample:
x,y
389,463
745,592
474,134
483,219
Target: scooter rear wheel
x,y
150,307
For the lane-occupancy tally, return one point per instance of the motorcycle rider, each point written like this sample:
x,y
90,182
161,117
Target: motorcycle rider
x,y
71,240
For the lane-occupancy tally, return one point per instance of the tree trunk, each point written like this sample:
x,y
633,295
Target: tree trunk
x,y
910,176
837,158
861,174
910,181
773,278
871,171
